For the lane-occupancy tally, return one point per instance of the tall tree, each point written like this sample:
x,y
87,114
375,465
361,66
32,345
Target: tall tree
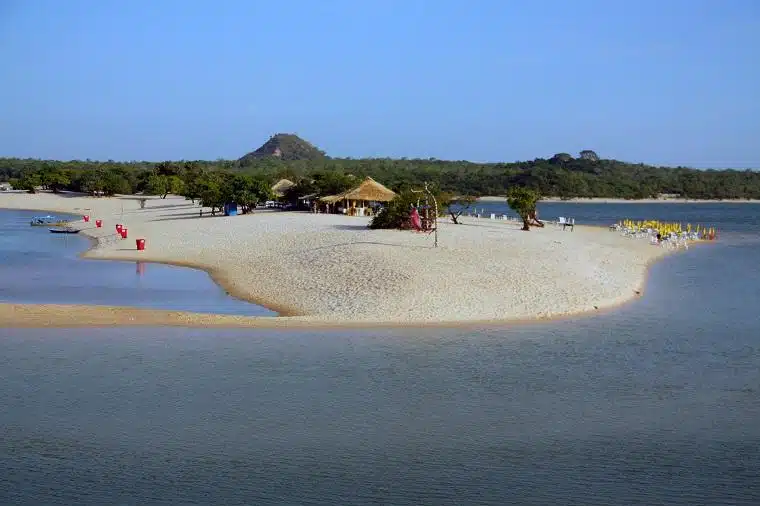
x,y
246,191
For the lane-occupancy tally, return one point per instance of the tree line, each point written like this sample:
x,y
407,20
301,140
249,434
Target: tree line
x,y
562,176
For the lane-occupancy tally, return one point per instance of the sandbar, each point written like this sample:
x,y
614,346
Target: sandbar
x,y
331,270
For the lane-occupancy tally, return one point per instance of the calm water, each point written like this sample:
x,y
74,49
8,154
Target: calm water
x,y
726,217
658,403
38,267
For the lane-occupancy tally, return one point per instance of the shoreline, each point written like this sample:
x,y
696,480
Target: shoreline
x,y
602,200
217,278
14,315
293,316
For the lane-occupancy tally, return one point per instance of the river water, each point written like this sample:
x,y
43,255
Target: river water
x,y
655,403
37,267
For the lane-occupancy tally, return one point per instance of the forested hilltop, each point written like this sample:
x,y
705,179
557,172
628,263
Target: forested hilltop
x,y
287,156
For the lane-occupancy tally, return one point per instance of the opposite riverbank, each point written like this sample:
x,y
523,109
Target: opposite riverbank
x,y
331,270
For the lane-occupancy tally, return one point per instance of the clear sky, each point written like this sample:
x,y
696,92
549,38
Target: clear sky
x,y
671,82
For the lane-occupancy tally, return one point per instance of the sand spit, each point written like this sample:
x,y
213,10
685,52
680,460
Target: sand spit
x,y
80,316
332,270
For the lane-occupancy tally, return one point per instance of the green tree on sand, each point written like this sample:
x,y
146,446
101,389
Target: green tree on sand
x,y
523,201
164,185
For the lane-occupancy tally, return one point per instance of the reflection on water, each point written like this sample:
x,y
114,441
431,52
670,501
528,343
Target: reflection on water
x,y
38,267
657,403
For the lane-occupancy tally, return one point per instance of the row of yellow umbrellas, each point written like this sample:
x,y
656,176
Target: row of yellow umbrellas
x,y
667,228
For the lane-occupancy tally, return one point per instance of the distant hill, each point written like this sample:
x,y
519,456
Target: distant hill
x,y
285,147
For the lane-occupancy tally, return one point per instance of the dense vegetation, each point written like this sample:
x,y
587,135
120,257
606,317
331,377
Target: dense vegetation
x,y
562,175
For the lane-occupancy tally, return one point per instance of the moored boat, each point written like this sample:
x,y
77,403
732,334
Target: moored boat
x,y
64,230
41,221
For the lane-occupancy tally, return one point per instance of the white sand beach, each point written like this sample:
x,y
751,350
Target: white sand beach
x,y
330,269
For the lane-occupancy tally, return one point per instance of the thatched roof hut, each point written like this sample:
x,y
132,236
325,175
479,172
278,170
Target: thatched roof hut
x,y
281,186
331,199
369,190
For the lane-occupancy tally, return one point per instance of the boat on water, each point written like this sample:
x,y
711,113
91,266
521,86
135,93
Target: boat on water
x,y
42,221
64,230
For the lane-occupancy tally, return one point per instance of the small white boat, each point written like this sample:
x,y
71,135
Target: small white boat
x,y
64,230
41,221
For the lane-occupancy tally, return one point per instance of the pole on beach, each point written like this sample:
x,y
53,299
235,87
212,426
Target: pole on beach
x,y
427,193
435,214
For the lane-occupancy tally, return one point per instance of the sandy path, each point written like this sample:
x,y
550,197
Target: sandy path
x,y
329,268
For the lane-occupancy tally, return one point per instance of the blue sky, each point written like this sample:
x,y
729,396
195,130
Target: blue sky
x,y
669,82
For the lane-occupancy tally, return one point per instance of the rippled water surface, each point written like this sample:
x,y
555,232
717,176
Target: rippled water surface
x,y
656,403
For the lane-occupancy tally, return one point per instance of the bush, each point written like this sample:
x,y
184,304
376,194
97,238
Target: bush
x,y
396,213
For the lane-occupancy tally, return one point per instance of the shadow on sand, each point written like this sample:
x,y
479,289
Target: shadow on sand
x,y
172,206
378,243
186,216
353,227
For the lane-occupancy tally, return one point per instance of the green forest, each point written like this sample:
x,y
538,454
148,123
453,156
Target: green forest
x,y
562,175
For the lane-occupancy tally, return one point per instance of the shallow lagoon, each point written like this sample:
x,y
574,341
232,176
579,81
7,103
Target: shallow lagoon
x,y
38,267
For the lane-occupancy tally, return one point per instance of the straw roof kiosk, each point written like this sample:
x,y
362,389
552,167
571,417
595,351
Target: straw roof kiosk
x,y
281,186
361,201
